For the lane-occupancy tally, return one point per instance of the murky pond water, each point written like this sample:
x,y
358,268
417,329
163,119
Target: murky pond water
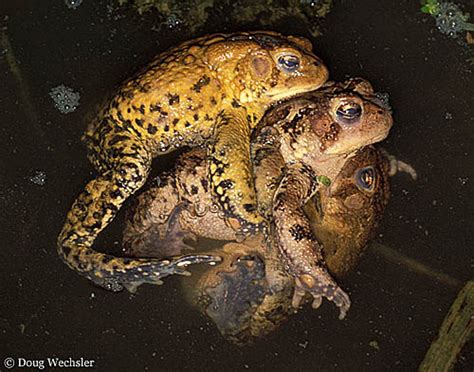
x,y
47,310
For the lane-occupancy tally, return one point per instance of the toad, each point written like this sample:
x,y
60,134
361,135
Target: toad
x,y
295,144
209,92
238,294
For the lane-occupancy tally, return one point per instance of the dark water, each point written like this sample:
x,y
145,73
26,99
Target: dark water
x,y
47,310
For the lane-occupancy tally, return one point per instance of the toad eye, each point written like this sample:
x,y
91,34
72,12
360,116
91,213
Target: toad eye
x,y
365,178
289,62
349,112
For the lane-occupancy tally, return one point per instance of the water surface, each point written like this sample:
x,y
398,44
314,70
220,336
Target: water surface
x,y
48,310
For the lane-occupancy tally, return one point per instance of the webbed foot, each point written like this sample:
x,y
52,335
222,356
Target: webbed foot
x,y
147,272
319,284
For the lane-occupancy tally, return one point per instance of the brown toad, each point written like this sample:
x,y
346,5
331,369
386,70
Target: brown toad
x,y
239,296
297,141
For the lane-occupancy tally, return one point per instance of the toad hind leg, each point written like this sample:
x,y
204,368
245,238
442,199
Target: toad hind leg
x,y
297,244
231,173
94,209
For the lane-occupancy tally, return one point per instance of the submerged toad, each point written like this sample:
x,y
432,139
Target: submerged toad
x,y
344,215
298,140
209,91
239,296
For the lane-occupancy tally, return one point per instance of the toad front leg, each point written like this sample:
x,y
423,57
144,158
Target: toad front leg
x,y
231,171
95,208
297,244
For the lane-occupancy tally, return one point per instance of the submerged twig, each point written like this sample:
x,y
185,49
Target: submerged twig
x,y
393,255
22,86
455,332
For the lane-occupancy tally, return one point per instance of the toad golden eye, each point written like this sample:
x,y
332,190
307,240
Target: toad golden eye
x,y
289,62
365,178
349,112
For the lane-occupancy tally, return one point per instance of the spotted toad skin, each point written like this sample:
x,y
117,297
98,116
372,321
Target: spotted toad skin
x,y
315,140
206,92
296,141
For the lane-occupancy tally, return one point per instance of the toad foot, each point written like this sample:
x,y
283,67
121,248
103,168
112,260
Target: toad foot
x,y
320,285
